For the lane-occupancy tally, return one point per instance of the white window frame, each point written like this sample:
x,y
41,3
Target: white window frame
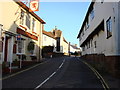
x,y
22,17
34,25
28,20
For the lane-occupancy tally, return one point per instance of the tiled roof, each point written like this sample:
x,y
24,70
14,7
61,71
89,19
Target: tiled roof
x,y
50,34
28,9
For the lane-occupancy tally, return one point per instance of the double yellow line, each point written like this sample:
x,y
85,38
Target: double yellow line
x,y
104,84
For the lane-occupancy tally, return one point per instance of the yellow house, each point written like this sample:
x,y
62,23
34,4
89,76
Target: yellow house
x,y
65,46
21,32
61,43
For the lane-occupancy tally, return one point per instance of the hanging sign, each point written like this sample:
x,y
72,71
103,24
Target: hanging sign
x,y
34,5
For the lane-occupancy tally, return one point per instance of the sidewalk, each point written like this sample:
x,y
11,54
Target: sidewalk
x,y
15,70
112,81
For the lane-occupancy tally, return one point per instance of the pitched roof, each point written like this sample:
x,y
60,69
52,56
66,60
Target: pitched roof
x,y
28,9
50,34
74,47
86,17
65,40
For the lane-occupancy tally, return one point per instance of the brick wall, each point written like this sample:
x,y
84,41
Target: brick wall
x,y
111,64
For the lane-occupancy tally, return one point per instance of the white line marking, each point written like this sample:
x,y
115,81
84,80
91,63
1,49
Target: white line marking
x,y
61,65
50,75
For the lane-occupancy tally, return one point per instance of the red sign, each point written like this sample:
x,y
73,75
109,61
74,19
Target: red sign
x,y
34,5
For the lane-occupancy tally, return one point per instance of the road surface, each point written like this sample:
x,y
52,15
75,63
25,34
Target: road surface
x,y
63,72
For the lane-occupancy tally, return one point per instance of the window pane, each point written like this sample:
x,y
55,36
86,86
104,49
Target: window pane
x,y
28,21
22,18
109,27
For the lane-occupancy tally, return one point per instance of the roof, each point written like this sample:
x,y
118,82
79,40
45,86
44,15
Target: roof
x,y
50,34
74,47
28,9
54,35
65,40
86,17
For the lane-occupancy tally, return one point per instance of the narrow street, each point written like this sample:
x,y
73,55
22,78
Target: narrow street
x,y
64,72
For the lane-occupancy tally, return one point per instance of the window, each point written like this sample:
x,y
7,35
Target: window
x,y
87,45
28,21
83,32
95,44
83,48
91,42
22,17
102,1
109,27
21,46
80,38
92,14
33,25
87,24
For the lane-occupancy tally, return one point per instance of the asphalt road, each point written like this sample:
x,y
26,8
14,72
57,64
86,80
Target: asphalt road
x,y
64,72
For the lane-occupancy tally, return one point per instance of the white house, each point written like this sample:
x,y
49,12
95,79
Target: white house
x,y
48,39
99,34
74,48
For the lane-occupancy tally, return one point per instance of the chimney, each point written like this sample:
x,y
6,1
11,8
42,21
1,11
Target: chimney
x,y
75,45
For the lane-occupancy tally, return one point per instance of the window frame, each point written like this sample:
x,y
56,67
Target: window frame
x,y
28,20
22,17
33,25
109,27
92,14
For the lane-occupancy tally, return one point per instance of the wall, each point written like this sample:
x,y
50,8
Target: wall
x,y
102,12
11,20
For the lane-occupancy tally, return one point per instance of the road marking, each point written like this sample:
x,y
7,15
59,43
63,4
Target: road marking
x,y
22,71
50,76
104,84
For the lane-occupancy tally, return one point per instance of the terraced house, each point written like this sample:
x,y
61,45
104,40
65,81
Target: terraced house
x,y
21,32
99,35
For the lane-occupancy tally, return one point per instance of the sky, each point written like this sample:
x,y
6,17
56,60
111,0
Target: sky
x,y
67,16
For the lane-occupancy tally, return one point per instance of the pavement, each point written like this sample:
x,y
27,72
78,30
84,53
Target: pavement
x,y
112,81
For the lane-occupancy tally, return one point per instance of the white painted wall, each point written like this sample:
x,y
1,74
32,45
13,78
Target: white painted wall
x,y
104,45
